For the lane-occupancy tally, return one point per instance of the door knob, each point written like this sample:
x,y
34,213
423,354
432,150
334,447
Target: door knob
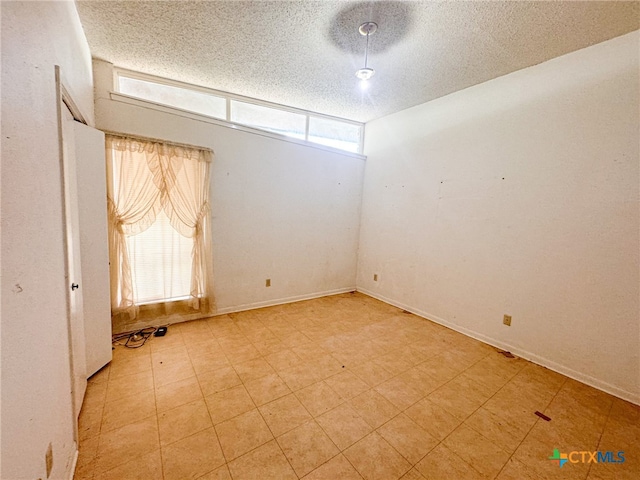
x,y
74,286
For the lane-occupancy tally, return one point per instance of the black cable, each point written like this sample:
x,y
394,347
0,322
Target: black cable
x,y
135,339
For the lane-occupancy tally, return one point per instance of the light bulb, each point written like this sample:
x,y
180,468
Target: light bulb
x,y
365,73
364,84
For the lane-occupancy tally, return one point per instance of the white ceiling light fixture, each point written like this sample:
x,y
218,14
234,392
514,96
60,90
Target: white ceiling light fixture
x,y
364,74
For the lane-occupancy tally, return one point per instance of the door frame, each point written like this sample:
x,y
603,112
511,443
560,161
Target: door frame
x,y
64,99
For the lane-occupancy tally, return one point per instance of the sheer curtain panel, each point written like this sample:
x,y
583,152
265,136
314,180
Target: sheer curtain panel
x,y
148,181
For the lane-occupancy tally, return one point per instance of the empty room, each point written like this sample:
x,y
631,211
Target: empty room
x,y
320,240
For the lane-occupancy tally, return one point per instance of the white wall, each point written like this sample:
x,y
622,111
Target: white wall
x,y
283,211
36,400
518,196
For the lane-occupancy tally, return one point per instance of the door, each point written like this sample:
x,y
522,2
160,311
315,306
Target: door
x,y
91,174
73,261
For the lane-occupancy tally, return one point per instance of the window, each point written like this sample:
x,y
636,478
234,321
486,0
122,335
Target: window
x,y
269,119
178,97
337,133
342,135
159,226
160,263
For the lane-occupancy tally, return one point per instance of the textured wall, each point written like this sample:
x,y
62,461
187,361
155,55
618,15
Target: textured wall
x,y
518,196
280,210
36,403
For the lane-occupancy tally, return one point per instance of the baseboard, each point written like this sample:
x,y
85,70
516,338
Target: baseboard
x,y
74,462
281,301
532,357
173,319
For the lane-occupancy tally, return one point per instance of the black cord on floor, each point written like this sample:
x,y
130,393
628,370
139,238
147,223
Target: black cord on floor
x,y
134,339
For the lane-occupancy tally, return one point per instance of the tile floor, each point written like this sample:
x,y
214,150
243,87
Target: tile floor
x,y
339,388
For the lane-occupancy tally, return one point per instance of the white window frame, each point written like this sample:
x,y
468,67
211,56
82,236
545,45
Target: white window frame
x,y
118,72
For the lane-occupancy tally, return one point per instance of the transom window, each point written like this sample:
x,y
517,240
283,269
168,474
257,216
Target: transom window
x,y
333,132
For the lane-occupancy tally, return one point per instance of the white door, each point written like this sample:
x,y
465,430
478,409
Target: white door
x,y
91,174
73,257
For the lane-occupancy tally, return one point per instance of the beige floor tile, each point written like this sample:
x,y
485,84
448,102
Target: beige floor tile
x,y
326,366
183,421
408,438
299,376
439,368
443,464
177,393
347,385
373,408
485,376
118,446
252,369
142,468
96,393
318,398
460,397
309,351
203,348
375,459
87,457
412,474
242,354
102,375
173,338
394,362
343,425
131,366
428,348
398,392
516,470
90,421
192,457
433,418
130,385
494,427
629,470
515,407
266,462
381,348
421,381
371,373
283,359
338,468
284,414
217,380
234,342
242,434
124,411
221,473
564,433
266,389
209,361
169,372
535,453
169,356
229,403
268,345
295,339
351,356
307,447
476,450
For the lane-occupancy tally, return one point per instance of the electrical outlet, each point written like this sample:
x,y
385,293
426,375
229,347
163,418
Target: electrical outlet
x,y
507,320
375,277
267,283
48,459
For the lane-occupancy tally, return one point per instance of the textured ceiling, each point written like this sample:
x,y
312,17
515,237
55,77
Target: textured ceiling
x,y
305,53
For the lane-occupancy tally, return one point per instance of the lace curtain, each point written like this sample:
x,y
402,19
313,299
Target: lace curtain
x,y
145,178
